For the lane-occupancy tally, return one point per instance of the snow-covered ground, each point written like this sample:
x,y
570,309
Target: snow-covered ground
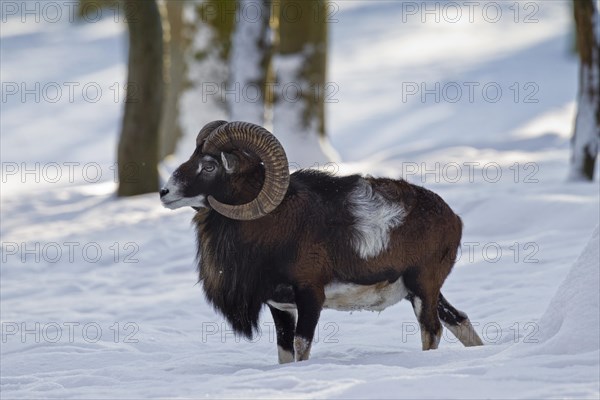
x,y
99,296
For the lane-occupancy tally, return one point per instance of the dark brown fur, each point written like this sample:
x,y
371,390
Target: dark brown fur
x,y
306,243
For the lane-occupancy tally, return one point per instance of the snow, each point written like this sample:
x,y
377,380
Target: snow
x,y
570,324
98,295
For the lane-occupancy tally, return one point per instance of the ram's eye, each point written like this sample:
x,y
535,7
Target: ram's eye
x,y
209,168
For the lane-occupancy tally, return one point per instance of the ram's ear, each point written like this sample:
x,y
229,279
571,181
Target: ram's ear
x,y
230,162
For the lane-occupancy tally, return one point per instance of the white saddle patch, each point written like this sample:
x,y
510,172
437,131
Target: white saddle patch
x,y
352,297
375,216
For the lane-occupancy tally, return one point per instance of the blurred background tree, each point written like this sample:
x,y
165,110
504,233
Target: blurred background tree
x,y
138,148
137,155
250,62
277,69
261,61
265,61
176,42
300,70
586,135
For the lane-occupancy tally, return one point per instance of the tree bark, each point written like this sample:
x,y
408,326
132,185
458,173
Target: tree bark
x,y
300,69
209,24
175,72
138,144
250,61
586,135
303,34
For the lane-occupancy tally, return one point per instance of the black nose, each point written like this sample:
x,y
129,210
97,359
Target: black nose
x,y
163,192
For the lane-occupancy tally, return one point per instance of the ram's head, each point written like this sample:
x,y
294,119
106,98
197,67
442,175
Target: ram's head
x,y
224,153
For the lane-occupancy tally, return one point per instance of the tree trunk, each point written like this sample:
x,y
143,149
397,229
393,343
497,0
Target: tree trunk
x,y
250,60
138,144
175,72
209,24
300,69
586,136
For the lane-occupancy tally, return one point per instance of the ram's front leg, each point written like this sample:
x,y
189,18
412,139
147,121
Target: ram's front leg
x,y
285,324
309,301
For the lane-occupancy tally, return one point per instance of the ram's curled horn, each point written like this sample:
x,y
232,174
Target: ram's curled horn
x,y
256,139
206,131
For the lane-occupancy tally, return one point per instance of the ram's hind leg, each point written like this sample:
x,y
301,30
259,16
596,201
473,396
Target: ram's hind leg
x,y
458,323
285,326
426,312
423,285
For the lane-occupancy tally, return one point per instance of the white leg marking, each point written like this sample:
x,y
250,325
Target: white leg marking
x,y
302,348
417,306
375,216
430,342
465,333
284,355
289,307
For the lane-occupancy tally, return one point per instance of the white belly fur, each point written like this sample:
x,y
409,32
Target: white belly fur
x,y
352,297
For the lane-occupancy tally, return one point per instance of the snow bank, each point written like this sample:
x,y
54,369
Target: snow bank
x,y
570,324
